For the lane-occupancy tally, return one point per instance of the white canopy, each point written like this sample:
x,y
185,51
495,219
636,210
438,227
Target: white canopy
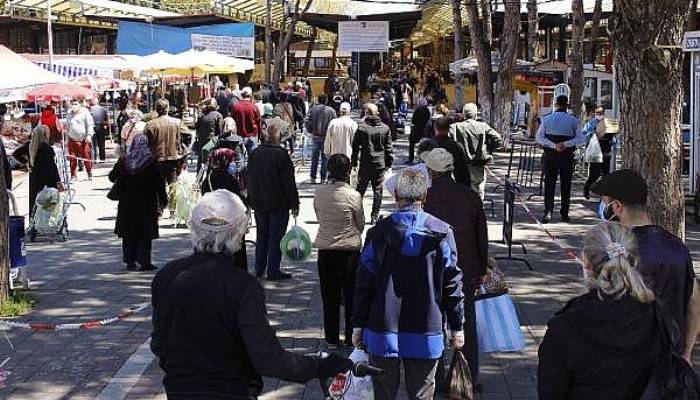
x,y
200,60
469,65
19,75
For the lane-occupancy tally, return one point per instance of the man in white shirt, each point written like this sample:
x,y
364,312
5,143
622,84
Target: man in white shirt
x,y
81,128
340,133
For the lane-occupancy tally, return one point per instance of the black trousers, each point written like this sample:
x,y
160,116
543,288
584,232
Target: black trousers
x,y
471,346
376,178
169,170
557,165
136,251
595,171
99,142
412,148
336,271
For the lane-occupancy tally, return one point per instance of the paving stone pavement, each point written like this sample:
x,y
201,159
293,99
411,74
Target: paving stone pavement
x,y
84,279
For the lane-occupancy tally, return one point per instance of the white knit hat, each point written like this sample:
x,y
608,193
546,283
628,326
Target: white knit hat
x,y
218,211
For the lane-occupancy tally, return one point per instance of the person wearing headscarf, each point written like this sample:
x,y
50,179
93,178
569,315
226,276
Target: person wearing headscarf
x,y
141,192
38,155
48,118
132,126
223,173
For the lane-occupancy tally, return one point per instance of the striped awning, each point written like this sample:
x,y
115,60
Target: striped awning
x,y
70,71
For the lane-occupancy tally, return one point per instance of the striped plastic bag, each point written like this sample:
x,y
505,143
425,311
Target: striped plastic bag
x,y
497,325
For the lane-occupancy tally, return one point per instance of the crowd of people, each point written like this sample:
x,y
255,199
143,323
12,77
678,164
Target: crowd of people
x,y
407,286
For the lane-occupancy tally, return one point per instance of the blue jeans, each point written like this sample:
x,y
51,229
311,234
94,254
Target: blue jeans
x,y
270,226
316,153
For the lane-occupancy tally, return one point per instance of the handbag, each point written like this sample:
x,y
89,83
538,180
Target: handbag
x,y
115,193
672,378
497,324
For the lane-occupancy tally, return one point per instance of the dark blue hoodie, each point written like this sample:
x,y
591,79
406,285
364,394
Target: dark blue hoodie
x,y
408,277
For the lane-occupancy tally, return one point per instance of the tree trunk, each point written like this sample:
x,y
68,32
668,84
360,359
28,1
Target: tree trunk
x,y
646,38
482,49
532,28
458,52
4,238
487,22
334,56
503,104
595,27
309,52
576,83
268,42
286,33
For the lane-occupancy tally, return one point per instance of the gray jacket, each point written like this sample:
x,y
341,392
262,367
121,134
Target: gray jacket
x,y
478,138
318,119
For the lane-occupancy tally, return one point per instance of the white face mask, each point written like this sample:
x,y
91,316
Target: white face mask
x,y
75,108
599,117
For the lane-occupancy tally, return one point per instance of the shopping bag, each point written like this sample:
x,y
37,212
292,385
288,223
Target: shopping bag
x,y
459,379
296,244
594,154
497,325
349,387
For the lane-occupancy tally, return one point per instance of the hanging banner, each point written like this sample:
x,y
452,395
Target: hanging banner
x,y
363,36
233,46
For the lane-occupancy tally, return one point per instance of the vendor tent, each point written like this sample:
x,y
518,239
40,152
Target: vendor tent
x,y
18,75
194,62
100,84
59,92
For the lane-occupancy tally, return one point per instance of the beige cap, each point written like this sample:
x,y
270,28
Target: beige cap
x,y
439,160
218,211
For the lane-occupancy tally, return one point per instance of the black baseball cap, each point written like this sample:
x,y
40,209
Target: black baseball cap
x,y
624,185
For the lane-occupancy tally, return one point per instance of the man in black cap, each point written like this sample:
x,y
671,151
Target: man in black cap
x,y
664,261
559,134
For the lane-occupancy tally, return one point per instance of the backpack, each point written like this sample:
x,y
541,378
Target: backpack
x,y
672,378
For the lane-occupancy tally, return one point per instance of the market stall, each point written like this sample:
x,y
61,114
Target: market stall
x,y
19,75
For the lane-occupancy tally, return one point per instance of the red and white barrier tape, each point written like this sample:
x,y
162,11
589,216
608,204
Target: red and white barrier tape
x,y
75,326
571,253
72,157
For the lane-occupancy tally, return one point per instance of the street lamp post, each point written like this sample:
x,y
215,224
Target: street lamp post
x,y
49,33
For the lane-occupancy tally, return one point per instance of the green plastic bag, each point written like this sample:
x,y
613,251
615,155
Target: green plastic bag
x,y
296,244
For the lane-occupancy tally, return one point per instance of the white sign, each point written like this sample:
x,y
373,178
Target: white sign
x,y
233,46
366,36
691,41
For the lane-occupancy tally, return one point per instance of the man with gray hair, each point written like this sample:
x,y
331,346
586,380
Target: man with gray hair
x,y
372,150
210,326
341,132
479,140
406,256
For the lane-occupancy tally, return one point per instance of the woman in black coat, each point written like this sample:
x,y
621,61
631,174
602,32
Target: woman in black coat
x,y
223,174
420,119
602,345
40,159
141,192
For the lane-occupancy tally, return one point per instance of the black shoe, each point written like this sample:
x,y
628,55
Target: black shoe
x,y
280,276
547,217
586,194
565,218
259,275
149,267
132,267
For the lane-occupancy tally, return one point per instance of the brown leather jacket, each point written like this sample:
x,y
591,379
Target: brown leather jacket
x,y
164,137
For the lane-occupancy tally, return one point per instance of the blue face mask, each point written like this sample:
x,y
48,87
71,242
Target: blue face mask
x,y
232,169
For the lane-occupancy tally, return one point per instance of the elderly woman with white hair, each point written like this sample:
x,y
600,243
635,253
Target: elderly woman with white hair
x,y
210,326
602,344
407,256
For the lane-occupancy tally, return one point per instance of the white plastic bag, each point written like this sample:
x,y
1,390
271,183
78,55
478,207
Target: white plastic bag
x,y
593,152
349,387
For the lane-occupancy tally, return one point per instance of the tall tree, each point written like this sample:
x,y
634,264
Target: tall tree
x,y
591,49
578,25
481,43
268,41
458,50
532,28
292,12
503,106
309,52
646,37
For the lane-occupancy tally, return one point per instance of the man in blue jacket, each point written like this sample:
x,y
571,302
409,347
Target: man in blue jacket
x,y
408,277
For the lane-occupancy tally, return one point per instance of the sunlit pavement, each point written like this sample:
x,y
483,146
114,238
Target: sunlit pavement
x,y
84,279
